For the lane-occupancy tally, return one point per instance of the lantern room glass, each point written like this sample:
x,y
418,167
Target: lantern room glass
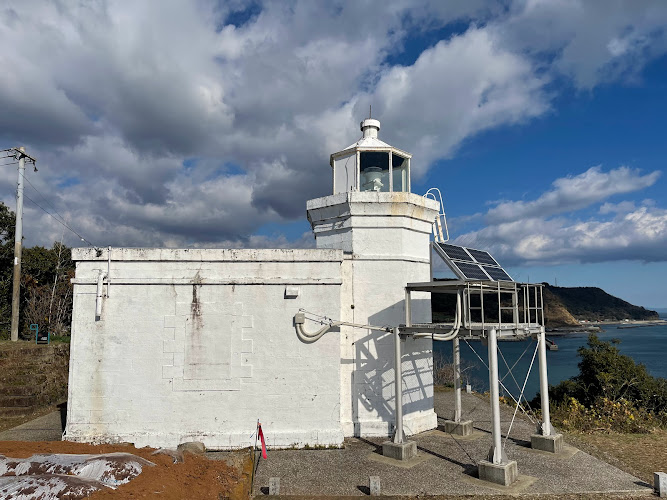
x,y
374,171
400,172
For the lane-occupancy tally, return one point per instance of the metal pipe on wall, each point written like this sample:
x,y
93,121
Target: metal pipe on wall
x,y
98,298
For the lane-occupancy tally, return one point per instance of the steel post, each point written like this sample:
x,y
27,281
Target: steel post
x,y
495,456
398,385
457,379
408,308
544,385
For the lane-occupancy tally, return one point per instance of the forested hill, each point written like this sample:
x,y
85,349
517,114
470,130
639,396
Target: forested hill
x,y
593,304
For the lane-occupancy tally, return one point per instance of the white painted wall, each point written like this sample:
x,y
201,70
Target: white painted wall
x,y
199,344
386,240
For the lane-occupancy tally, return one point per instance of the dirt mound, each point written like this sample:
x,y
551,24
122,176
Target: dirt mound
x,y
197,477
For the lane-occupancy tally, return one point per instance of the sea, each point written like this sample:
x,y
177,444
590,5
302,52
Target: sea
x,y
644,344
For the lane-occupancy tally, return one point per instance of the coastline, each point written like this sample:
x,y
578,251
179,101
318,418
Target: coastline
x,y
597,326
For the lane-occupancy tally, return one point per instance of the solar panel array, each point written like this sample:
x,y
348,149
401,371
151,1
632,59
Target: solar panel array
x,y
471,264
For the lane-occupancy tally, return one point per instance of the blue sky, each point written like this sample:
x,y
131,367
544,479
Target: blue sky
x,y
210,123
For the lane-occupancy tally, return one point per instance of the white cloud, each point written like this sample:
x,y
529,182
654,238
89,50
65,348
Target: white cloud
x,y
573,193
591,42
160,123
527,233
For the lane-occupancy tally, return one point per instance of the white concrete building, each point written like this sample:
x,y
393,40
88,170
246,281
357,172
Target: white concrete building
x,y
171,346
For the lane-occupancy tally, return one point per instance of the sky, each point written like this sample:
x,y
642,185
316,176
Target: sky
x,y
209,124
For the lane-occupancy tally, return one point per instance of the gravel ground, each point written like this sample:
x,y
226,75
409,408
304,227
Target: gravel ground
x,y
447,466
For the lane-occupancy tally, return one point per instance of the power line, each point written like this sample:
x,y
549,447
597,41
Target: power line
x,y
63,223
43,198
53,208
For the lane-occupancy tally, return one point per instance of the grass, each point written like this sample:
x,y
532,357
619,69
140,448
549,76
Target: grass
x,y
638,454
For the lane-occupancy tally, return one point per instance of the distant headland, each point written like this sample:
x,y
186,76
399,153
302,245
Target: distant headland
x,y
574,306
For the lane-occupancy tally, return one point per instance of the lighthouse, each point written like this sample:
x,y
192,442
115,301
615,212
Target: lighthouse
x,y
384,231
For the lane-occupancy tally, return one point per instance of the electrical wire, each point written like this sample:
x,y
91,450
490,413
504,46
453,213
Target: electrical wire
x,y
53,208
63,223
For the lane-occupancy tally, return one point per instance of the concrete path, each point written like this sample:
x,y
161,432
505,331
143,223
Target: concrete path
x,y
445,466
46,428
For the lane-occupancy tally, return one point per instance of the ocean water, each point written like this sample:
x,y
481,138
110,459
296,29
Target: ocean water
x,y
646,344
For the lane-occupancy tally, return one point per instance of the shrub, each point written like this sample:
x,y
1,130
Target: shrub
x,y
610,393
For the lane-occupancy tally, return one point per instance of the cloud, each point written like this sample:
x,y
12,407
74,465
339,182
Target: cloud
x,y
546,231
588,42
178,123
573,193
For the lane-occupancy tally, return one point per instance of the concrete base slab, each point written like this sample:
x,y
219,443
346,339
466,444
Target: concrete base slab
x,y
472,437
552,444
399,451
462,428
519,486
503,474
566,453
403,464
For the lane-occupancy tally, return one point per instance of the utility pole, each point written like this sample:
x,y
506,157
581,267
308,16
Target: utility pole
x,y
18,241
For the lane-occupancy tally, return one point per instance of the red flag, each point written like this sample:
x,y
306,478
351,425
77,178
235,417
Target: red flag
x,y
261,437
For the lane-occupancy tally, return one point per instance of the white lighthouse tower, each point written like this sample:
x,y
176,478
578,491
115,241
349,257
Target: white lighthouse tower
x,y
384,231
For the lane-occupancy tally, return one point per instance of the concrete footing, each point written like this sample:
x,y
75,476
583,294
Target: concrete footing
x,y
374,485
504,474
552,444
660,483
274,486
399,451
462,428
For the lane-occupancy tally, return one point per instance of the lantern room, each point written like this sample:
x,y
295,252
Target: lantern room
x,y
370,164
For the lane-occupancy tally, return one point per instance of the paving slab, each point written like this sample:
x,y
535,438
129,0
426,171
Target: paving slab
x,y
45,428
449,464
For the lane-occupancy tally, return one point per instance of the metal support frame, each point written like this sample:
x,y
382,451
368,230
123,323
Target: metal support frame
x,y
398,383
457,379
496,452
545,428
408,307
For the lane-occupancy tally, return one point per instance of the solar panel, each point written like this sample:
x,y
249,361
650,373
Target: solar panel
x,y
454,252
497,273
472,271
471,264
482,257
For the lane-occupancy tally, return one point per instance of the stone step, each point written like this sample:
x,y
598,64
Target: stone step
x,y
24,355
19,401
19,390
32,379
15,411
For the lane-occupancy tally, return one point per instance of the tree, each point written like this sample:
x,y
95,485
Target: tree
x,y
7,224
606,373
46,289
